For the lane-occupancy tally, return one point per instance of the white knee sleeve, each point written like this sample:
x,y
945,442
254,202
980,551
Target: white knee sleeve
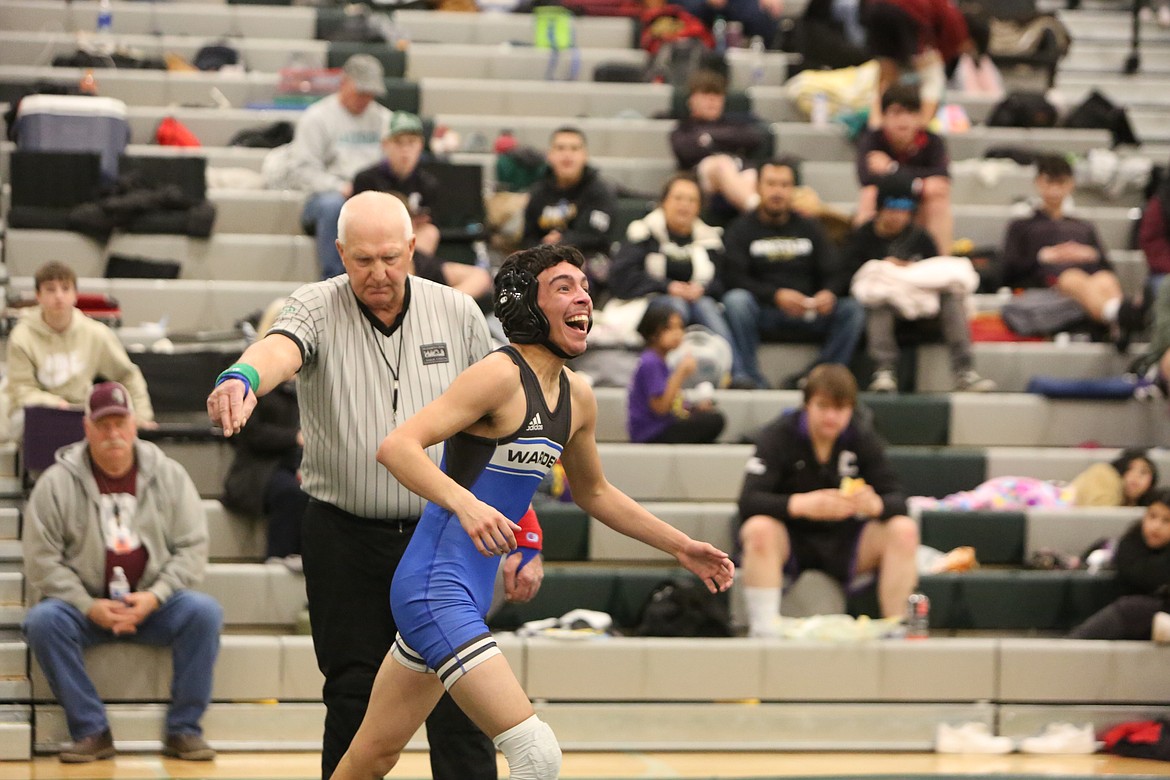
x,y
532,750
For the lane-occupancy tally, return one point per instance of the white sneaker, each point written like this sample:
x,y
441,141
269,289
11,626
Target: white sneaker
x,y
1062,738
971,737
1161,630
884,381
970,382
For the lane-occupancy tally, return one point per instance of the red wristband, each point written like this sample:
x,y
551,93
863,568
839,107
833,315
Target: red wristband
x,y
530,534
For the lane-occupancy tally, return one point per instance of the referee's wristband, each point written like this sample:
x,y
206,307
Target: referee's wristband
x,y
243,372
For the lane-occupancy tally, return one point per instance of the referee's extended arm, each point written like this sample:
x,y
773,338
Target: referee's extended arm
x,y
276,359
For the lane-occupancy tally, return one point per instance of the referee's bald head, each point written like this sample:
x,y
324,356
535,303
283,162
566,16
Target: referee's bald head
x,y
380,209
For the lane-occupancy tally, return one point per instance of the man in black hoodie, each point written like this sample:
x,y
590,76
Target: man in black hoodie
x,y
782,278
820,493
571,204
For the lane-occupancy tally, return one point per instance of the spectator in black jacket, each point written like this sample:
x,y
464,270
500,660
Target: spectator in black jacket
x,y
402,174
264,480
571,204
904,146
716,145
782,277
1142,561
892,236
1053,249
673,258
819,493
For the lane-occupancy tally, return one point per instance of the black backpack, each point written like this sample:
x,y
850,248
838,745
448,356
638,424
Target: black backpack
x,y
1023,109
684,608
1101,113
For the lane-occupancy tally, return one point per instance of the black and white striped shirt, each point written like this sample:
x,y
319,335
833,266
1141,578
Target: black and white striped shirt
x,y
346,383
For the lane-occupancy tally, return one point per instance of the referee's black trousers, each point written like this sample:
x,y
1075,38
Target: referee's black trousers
x,y
349,564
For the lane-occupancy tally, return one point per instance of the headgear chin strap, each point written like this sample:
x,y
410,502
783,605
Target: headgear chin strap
x,y
516,307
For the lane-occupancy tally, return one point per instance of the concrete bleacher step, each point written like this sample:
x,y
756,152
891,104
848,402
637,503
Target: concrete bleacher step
x,y
188,304
169,18
223,257
15,732
256,594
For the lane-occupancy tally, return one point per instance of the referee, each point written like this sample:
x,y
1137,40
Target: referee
x,y
370,348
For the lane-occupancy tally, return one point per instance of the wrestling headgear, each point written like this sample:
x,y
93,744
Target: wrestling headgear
x,y
515,302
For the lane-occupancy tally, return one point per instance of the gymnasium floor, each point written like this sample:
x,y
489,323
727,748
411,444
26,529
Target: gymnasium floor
x,y
303,766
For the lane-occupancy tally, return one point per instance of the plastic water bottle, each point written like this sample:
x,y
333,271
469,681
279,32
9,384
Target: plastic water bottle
x,y
719,30
756,47
917,616
820,110
105,17
119,585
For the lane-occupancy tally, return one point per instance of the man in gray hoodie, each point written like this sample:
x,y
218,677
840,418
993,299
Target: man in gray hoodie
x,y
114,539
338,136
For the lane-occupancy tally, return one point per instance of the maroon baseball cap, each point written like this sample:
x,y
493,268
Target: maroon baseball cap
x,y
108,398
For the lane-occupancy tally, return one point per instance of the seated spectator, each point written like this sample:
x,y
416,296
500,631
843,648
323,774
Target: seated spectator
x,y
401,174
336,137
1127,480
891,236
1052,249
758,17
782,276
819,493
265,476
672,254
1154,234
1142,561
55,352
904,146
115,506
657,411
572,204
916,41
715,145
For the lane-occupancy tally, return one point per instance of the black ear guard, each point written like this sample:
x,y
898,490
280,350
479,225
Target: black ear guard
x,y
516,307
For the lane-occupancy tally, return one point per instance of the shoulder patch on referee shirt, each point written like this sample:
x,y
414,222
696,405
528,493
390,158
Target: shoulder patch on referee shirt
x,y
434,353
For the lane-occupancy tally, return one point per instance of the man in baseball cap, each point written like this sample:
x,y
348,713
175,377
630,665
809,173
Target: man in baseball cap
x,y
115,541
338,136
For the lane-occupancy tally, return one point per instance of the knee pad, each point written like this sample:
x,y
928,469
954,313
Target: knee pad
x,y
531,750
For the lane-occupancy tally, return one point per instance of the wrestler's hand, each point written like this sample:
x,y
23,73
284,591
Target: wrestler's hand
x,y
492,533
711,565
230,405
521,584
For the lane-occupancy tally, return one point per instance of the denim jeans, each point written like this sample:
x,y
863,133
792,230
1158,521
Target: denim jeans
x,y
705,312
188,622
320,217
748,319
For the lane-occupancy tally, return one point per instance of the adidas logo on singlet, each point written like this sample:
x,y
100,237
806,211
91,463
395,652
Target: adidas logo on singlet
x,y
534,424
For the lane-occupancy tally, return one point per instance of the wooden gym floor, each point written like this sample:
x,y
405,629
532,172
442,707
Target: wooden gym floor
x,y
414,766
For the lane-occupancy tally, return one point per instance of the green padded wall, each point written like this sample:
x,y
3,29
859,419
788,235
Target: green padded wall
x,y
998,537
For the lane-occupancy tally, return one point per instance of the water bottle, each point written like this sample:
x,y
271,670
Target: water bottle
x,y
734,35
757,59
917,616
105,17
719,29
820,110
119,585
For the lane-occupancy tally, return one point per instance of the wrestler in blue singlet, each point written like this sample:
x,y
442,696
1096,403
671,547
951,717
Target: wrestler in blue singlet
x,y
443,586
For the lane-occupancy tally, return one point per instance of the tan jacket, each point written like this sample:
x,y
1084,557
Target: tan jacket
x,y
46,368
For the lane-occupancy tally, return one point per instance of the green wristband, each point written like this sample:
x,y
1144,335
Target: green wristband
x,y
250,374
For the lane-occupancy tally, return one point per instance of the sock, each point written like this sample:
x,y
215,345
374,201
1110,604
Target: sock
x,y
763,607
1110,309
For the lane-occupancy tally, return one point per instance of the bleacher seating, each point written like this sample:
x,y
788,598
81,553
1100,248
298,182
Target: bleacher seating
x,y
995,655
